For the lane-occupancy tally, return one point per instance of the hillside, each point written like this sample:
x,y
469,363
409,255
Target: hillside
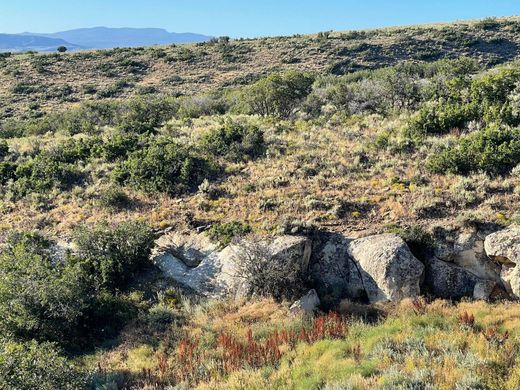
x,y
32,83
336,211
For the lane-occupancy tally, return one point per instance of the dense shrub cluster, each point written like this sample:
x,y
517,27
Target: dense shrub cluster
x,y
70,300
494,150
492,98
112,257
165,165
30,365
235,141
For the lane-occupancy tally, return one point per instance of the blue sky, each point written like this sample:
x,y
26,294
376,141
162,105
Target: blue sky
x,y
241,18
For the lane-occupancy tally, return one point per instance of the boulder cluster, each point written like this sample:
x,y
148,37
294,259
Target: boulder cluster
x,y
379,268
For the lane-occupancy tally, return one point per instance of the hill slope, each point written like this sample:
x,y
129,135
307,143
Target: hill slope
x,y
197,68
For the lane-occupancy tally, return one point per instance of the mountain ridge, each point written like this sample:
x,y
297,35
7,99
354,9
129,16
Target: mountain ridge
x,y
101,37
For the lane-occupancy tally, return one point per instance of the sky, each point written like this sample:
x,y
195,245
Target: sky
x,y
241,18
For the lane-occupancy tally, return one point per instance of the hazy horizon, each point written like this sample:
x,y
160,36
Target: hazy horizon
x,y
239,19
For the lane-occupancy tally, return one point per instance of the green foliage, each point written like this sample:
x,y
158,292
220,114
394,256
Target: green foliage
x,y
119,145
197,106
40,296
164,166
29,366
4,149
440,117
235,141
114,198
7,172
113,256
224,233
279,94
140,116
494,150
43,173
491,98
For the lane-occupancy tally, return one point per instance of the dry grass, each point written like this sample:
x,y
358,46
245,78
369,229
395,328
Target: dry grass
x,y
426,344
214,66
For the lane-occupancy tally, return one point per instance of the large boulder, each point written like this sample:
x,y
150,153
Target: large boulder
x,y
504,248
196,263
449,281
334,273
389,271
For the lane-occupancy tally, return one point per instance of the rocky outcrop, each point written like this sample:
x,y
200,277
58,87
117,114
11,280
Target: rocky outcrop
x,y
194,262
389,271
377,268
449,281
306,304
466,249
191,249
334,274
504,248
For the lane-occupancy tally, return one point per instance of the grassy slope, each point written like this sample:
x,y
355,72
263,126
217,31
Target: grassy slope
x,y
410,345
32,83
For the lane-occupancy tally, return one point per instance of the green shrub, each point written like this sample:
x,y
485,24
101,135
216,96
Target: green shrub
x,y
198,106
114,198
7,172
113,256
164,166
43,173
119,145
494,150
224,233
440,117
29,366
40,296
4,149
279,94
235,141
143,116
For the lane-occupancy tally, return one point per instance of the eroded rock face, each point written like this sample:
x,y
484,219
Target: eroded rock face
x,y
191,249
504,248
449,281
466,249
214,273
334,273
389,271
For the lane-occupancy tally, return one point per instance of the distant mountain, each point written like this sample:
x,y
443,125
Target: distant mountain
x,y
14,42
106,38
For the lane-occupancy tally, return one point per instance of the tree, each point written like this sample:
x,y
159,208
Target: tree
x,y
62,49
279,94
